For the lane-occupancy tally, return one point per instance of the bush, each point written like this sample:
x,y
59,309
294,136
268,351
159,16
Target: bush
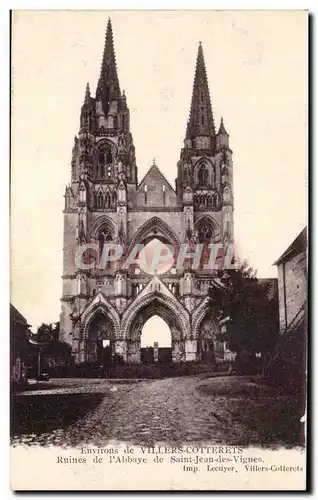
x,y
246,363
158,370
133,371
223,366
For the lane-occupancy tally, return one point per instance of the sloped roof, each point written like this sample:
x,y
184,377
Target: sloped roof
x,y
153,174
16,316
298,246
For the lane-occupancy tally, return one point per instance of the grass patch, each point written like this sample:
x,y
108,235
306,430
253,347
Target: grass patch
x,y
36,414
274,415
276,420
235,387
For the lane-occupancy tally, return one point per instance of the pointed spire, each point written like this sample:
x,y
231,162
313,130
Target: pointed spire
x,y
81,233
222,129
87,94
108,83
201,122
222,137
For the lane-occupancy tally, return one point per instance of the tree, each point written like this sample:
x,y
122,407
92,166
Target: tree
x,y
251,313
54,353
45,333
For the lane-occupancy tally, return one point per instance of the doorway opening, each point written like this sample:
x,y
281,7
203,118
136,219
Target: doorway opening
x,y
155,341
100,343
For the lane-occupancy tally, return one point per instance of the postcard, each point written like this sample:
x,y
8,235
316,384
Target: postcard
x,y
159,250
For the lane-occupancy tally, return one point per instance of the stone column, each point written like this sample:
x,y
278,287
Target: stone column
x,y
177,345
176,351
121,348
83,357
199,349
134,352
190,350
76,350
77,344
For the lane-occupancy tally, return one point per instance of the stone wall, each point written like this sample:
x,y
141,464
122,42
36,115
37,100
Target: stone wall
x,y
292,287
69,243
19,349
154,191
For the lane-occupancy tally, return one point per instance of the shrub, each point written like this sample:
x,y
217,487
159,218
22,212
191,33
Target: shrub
x,y
246,363
134,371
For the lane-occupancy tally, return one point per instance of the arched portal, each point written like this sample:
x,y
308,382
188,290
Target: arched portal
x,y
168,309
100,339
155,228
100,322
206,229
209,346
207,232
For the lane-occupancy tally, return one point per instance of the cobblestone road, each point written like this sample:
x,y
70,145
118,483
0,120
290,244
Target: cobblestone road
x,y
174,410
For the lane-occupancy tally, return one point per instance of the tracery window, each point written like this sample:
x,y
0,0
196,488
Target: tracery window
x,y
213,178
204,234
104,199
100,200
104,237
104,163
204,231
203,175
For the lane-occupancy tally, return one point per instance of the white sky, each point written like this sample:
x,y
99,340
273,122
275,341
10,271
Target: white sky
x,y
257,69
155,330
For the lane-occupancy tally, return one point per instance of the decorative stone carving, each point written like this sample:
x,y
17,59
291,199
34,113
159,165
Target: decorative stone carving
x,y
106,202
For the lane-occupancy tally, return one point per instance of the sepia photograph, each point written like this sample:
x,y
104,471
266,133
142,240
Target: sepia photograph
x,y
159,250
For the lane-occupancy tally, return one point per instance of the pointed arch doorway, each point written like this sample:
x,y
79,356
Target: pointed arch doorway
x,y
169,310
208,345
100,346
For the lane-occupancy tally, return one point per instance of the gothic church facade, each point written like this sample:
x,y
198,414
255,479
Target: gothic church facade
x,y
105,202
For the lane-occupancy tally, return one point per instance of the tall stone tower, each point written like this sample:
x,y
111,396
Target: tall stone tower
x,y
105,204
204,183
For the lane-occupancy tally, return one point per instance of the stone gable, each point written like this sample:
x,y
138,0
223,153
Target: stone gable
x,y
155,191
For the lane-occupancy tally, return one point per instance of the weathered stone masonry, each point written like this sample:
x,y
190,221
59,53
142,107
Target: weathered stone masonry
x,y
104,202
